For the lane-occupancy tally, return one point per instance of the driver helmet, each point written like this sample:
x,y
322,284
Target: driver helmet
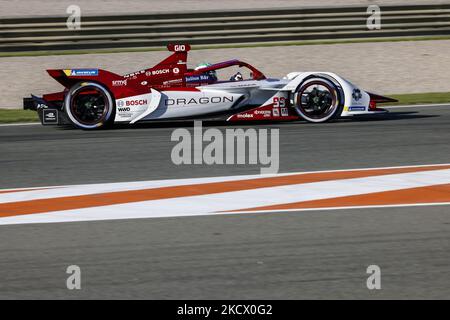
x,y
212,74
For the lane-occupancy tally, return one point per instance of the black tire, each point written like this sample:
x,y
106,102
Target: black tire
x,y
89,106
318,100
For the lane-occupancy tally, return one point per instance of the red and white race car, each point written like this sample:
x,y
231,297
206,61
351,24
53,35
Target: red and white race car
x,y
235,90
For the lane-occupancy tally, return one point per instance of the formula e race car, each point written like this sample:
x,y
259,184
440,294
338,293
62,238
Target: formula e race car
x,y
234,90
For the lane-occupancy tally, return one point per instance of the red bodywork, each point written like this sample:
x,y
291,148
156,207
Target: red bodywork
x,y
169,74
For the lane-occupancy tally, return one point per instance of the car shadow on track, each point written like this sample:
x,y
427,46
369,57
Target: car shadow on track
x,y
404,115
222,123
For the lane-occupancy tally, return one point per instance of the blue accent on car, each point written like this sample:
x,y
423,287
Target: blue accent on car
x,y
84,72
200,78
357,109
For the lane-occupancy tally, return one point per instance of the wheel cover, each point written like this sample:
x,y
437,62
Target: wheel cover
x,y
89,105
317,100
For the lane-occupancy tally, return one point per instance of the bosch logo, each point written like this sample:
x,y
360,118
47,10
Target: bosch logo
x,y
136,102
161,71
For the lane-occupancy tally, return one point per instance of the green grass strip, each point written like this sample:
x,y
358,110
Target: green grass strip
x,y
18,116
421,98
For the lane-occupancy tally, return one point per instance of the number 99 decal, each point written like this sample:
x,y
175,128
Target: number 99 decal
x,y
279,102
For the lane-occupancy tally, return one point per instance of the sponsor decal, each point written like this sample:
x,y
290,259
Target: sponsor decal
x,y
144,83
136,102
199,78
195,101
160,71
284,112
176,70
120,83
179,48
172,81
134,75
131,107
123,105
357,109
357,95
81,72
50,116
276,112
244,115
264,113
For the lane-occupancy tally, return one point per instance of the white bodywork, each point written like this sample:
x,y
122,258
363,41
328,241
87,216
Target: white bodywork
x,y
352,106
229,96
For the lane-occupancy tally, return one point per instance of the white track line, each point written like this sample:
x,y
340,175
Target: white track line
x,y
349,207
20,124
79,190
214,204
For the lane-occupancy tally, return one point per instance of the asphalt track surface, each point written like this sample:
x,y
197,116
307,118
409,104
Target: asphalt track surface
x,y
318,254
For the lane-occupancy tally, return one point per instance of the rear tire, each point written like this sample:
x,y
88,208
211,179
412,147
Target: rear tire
x,y
89,106
318,100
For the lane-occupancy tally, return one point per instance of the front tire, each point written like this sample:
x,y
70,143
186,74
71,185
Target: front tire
x,y
317,100
89,106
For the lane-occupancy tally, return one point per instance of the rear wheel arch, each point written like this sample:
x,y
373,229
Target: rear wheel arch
x,y
100,121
